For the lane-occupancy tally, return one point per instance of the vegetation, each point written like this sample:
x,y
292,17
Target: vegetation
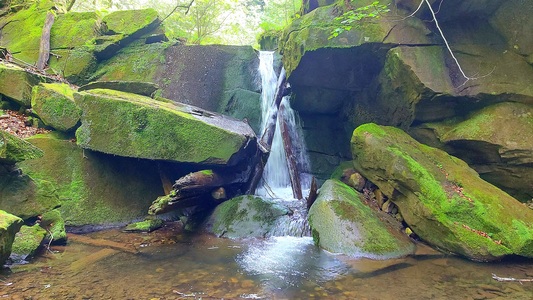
x,y
349,19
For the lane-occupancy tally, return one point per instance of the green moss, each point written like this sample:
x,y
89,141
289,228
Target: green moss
x,y
342,223
28,240
16,83
9,225
129,21
144,226
53,221
14,149
54,104
76,65
74,29
155,130
440,196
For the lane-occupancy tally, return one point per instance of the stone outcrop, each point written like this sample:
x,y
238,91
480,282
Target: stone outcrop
x,y
9,226
131,125
341,222
441,199
16,83
14,149
94,190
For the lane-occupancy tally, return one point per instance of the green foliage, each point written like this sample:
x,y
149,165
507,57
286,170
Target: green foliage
x,y
350,19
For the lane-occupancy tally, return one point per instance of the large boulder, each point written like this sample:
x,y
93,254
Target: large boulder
x,y
131,125
513,21
94,189
497,141
54,104
247,216
16,83
9,225
341,222
442,199
14,149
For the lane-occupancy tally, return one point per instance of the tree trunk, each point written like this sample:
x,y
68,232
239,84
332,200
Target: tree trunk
x,y
313,193
44,49
292,164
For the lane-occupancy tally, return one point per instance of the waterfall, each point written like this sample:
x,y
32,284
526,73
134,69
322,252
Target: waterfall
x,y
276,181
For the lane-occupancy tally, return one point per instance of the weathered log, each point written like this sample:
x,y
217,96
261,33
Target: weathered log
x,y
292,164
313,193
44,49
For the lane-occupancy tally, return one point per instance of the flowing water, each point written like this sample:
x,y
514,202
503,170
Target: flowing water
x,y
171,265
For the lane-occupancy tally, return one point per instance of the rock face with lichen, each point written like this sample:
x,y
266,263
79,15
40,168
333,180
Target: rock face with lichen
x,y
341,222
441,199
137,126
399,72
9,225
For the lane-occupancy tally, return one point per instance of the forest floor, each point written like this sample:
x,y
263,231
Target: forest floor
x,y
18,124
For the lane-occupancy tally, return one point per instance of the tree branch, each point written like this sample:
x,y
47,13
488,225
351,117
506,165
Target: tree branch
x,y
188,7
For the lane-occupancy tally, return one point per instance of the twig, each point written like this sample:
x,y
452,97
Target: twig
x,y
511,279
188,7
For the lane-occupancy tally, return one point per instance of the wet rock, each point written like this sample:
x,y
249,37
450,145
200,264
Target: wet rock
x,y
442,199
342,223
27,242
54,224
54,104
131,125
9,226
147,225
246,216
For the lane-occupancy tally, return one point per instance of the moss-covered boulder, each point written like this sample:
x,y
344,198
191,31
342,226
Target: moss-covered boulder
x,y
14,149
247,216
497,141
137,126
16,83
26,197
28,242
147,225
442,199
123,27
55,225
54,104
9,226
342,223
94,189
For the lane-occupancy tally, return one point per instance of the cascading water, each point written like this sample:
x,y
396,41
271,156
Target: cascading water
x,y
276,180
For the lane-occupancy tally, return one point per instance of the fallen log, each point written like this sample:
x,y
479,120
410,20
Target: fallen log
x,y
44,49
313,193
292,164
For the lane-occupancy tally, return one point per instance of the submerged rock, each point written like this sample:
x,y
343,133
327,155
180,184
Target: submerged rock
x,y
147,225
137,126
54,104
441,198
246,216
342,223
9,225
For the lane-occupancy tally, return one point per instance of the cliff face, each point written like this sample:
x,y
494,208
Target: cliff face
x,y
396,71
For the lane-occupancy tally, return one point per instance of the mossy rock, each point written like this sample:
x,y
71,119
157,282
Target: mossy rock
x,y
135,87
95,189
441,198
147,225
16,83
76,65
74,29
14,149
27,242
342,223
26,197
55,225
246,216
54,104
497,141
21,34
9,226
137,126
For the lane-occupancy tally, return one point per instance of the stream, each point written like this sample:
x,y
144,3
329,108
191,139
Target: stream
x,y
174,265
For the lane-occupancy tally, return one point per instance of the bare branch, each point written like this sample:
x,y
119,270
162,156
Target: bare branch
x,y
188,7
